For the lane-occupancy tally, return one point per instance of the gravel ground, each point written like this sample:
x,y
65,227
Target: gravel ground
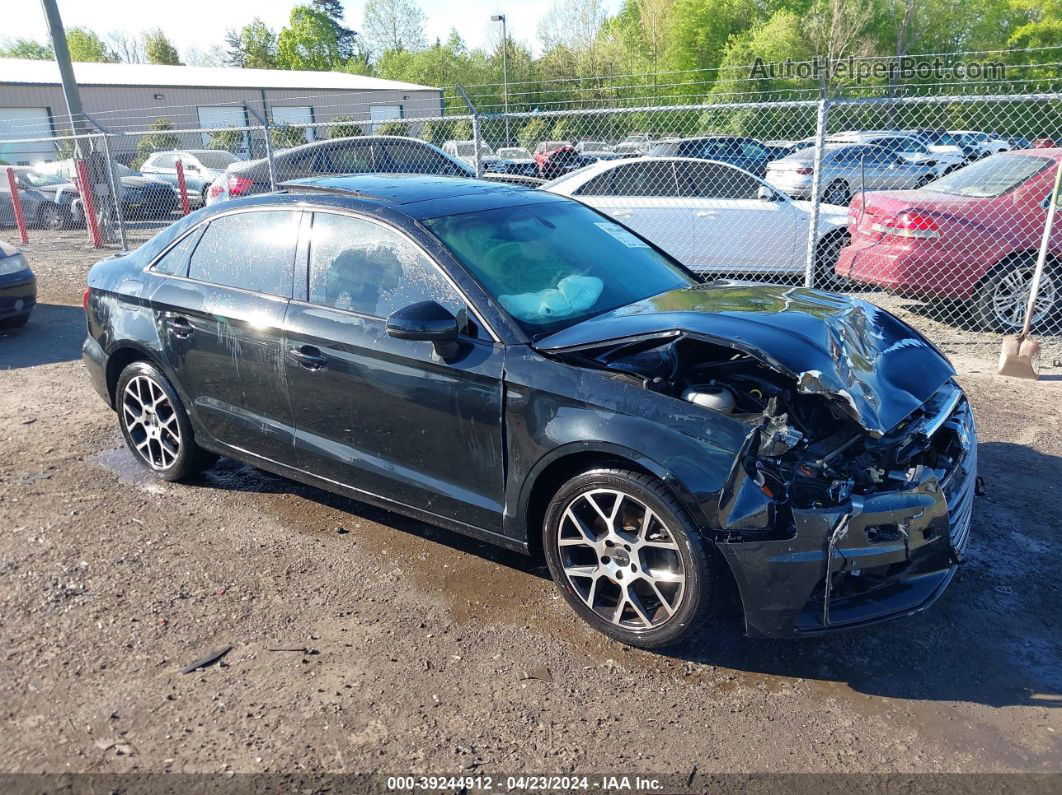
x,y
365,642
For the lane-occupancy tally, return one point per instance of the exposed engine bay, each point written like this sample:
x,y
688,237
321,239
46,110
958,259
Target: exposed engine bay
x,y
804,450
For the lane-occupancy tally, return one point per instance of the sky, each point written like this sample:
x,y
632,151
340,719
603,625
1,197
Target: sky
x,y
200,23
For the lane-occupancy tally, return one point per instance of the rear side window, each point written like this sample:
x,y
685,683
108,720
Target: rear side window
x,y
714,181
406,157
175,261
364,267
252,251
651,178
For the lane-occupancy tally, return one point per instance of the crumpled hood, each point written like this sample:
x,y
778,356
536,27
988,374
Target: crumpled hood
x,y
879,367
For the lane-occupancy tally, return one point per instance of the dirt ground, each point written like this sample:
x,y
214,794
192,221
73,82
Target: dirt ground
x,y
363,642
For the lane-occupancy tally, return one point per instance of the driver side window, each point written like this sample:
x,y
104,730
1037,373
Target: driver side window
x,y
364,267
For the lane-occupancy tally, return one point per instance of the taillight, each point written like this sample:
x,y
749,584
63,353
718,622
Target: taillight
x,y
805,171
84,300
909,223
215,190
238,186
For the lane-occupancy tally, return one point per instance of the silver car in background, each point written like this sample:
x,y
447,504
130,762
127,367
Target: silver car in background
x,y
201,167
847,169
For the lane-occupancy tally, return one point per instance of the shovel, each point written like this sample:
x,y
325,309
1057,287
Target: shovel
x,y
1020,356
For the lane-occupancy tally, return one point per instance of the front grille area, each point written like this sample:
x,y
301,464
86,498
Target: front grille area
x,y
959,485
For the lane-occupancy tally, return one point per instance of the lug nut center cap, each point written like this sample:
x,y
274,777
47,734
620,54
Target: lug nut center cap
x,y
621,556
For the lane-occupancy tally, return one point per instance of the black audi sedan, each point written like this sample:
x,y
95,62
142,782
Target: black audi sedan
x,y
513,365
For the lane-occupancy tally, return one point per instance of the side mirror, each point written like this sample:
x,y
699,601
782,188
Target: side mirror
x,y
767,194
427,321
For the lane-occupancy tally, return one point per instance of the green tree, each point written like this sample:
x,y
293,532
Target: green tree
x,y
309,42
287,135
27,48
346,38
437,131
160,139
228,140
344,127
391,128
254,46
533,132
159,49
392,25
86,46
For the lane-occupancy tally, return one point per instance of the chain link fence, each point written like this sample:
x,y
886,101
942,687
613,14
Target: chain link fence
x,y
933,206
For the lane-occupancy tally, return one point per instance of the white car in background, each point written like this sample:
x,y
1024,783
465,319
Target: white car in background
x,y
987,143
712,216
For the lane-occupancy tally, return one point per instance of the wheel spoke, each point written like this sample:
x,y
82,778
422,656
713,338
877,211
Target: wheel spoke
x,y
659,595
593,504
581,571
635,601
584,531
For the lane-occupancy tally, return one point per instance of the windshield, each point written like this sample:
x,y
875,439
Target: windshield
x,y
514,153
992,176
218,160
38,180
554,264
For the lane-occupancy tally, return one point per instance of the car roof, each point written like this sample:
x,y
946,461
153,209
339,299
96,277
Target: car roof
x,y
418,195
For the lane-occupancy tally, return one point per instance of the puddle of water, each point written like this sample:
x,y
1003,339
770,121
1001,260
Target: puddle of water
x,y
121,463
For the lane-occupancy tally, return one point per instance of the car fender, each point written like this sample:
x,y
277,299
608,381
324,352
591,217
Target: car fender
x,y
554,411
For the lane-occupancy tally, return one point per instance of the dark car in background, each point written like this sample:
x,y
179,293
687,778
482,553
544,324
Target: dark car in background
x,y
745,153
48,201
529,372
142,196
18,288
367,154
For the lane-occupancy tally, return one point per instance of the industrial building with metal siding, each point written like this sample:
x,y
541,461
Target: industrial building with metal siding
x,y
126,98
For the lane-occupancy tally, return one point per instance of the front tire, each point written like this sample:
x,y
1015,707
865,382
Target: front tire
x,y
627,558
155,425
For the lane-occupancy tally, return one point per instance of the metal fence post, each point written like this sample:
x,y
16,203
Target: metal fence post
x,y
476,139
116,195
816,186
269,155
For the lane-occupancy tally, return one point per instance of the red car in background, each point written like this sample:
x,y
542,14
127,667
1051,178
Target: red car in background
x,y
555,158
972,235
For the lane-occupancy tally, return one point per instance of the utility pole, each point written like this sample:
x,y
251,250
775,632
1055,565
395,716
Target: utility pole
x,y
78,123
99,166
505,71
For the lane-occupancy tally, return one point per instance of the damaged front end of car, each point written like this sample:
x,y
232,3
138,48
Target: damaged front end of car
x,y
849,499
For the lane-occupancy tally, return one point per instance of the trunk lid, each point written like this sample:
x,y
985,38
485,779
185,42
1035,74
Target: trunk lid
x,y
876,366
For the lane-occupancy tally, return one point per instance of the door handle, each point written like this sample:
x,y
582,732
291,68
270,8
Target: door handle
x,y
622,214
178,326
309,357
706,214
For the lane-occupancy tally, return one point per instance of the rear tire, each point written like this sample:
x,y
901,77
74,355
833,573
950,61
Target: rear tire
x,y
826,255
50,216
155,425
837,193
1003,295
634,567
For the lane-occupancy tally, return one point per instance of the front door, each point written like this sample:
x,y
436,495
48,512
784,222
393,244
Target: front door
x,y
383,415
222,329
734,230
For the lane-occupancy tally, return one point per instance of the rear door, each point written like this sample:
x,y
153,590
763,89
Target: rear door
x,y
644,196
383,415
221,327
